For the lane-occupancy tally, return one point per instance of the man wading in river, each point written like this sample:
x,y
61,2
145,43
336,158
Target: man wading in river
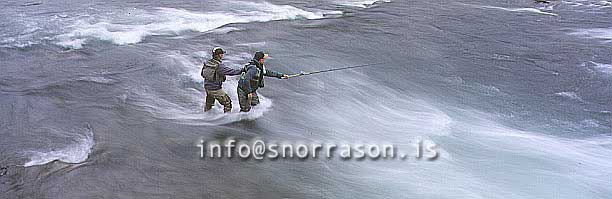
x,y
214,73
253,78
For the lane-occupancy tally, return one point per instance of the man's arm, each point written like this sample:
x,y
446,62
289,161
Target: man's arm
x,y
229,71
271,73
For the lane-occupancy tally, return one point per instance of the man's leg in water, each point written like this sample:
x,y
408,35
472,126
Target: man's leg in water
x,y
224,100
243,100
220,96
255,100
210,101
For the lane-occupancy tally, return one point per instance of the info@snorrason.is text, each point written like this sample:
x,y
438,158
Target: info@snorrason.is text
x,y
259,149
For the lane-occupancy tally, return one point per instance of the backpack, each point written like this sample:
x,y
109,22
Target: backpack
x,y
258,81
210,71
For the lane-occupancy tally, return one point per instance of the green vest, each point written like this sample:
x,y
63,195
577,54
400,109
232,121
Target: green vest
x,y
258,79
211,72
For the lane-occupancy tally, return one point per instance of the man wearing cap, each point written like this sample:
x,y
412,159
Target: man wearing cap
x,y
214,72
252,79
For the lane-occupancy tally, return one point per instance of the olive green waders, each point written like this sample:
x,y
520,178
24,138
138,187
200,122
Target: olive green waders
x,y
219,95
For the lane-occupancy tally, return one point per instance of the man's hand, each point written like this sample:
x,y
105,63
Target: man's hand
x,y
250,97
285,77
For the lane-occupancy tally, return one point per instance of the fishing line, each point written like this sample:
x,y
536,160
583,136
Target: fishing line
x,y
335,69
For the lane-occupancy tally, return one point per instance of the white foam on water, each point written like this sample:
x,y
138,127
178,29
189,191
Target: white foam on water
x,y
171,21
73,44
394,114
13,43
569,95
484,157
360,3
488,90
28,29
589,4
595,33
96,79
604,68
530,10
76,152
252,44
521,155
194,113
224,30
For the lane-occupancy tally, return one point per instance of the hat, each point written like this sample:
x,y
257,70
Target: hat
x,y
217,50
260,55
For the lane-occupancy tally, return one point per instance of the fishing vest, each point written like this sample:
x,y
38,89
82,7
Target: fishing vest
x,y
210,71
258,80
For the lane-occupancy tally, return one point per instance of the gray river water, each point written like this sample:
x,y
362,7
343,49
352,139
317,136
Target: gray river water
x,y
103,99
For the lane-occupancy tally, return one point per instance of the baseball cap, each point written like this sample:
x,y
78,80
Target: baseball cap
x,y
218,50
260,55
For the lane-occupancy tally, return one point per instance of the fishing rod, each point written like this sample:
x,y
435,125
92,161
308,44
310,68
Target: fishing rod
x,y
334,69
